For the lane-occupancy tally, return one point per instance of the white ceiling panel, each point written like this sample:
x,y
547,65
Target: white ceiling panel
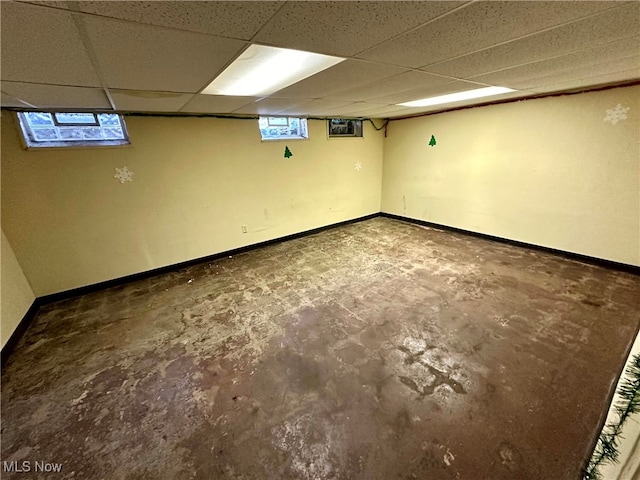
x,y
594,56
148,101
9,100
155,56
57,96
271,106
427,91
140,57
479,101
572,85
42,44
396,111
54,3
240,20
347,74
367,109
404,82
477,26
318,107
598,30
630,64
345,28
216,104
337,112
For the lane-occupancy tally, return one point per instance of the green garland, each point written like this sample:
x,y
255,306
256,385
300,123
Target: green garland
x,y
606,450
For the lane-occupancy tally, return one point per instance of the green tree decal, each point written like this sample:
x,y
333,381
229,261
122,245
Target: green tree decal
x,y
432,142
287,152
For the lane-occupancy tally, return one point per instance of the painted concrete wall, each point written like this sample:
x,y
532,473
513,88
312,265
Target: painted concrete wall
x,y
16,296
196,182
549,172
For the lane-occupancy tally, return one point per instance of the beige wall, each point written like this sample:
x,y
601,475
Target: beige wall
x,y
196,182
16,295
549,172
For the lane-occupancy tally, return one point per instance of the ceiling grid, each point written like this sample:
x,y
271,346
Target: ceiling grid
x,y
157,56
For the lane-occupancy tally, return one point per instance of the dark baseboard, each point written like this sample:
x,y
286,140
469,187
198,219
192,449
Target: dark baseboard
x,y
17,334
600,262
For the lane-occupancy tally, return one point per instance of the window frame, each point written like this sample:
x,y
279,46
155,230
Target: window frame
x,y
30,142
276,123
58,123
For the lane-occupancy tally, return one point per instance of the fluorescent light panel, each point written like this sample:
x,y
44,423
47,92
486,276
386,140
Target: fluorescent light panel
x,y
458,97
264,70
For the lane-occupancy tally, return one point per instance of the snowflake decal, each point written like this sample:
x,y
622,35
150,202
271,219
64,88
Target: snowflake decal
x,y
614,115
124,175
358,166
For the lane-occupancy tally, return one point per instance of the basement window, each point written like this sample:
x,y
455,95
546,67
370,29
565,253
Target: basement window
x,y
66,129
283,128
342,127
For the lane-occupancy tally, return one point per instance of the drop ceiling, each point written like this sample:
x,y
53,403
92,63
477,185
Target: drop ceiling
x,y
157,56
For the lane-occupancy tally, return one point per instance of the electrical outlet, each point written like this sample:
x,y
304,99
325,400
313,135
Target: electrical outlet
x,y
244,229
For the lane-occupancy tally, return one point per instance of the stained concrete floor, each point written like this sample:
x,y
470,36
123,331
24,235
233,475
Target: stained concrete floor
x,y
377,350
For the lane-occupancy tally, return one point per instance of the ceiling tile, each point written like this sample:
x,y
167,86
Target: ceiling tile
x,y
42,44
427,91
628,64
141,57
155,56
598,30
345,28
585,58
397,114
372,110
344,75
271,106
216,104
606,79
319,107
466,103
49,3
337,112
148,101
8,100
227,19
477,26
404,82
57,96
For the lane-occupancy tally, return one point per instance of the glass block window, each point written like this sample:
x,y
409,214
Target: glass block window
x,y
283,128
64,129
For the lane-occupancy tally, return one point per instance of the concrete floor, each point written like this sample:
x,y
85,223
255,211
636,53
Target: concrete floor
x,y
378,350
